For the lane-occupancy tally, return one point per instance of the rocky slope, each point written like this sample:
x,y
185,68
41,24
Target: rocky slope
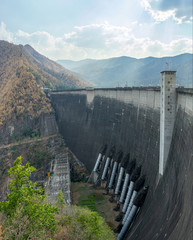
x,y
56,75
23,74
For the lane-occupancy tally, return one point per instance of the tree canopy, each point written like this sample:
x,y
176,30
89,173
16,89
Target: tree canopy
x,y
27,214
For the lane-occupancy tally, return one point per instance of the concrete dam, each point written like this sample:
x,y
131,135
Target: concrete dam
x,y
153,125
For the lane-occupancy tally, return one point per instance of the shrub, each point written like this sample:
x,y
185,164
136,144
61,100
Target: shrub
x,y
78,223
28,216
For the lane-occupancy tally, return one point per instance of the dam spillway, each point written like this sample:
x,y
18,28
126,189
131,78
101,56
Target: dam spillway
x,y
129,118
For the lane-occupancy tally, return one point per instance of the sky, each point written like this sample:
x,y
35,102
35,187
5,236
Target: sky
x,y
98,29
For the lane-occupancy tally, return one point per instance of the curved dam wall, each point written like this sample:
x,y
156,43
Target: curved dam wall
x,y
129,118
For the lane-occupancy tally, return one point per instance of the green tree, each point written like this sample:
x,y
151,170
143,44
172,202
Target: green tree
x,y
78,223
27,214
60,202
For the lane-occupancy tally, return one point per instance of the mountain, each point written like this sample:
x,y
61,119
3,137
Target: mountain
x,y
23,74
56,75
129,71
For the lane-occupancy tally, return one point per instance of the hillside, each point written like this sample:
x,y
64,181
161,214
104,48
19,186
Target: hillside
x,y
123,71
20,95
23,72
50,74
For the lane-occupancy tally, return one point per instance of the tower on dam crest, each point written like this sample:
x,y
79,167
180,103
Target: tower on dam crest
x,y
167,115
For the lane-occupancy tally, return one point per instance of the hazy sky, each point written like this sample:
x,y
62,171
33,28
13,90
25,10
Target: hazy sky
x,y
79,29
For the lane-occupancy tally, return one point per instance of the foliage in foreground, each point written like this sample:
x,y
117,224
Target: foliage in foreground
x,y
77,223
28,216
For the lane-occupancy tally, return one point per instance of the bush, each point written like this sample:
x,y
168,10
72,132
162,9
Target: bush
x,y
78,223
28,216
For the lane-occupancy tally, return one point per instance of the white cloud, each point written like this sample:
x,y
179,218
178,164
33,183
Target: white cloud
x,y
48,45
145,47
97,36
5,34
97,41
160,15
43,39
184,8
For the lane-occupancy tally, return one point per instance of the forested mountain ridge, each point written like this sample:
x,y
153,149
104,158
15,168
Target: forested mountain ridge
x,y
23,73
56,75
19,93
121,71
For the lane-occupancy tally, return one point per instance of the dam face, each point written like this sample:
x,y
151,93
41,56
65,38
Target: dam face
x,y
113,117
129,118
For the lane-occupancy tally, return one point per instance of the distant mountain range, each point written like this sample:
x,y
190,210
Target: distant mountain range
x,y
127,71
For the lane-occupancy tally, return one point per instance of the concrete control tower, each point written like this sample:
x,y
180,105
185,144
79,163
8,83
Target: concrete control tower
x,y
167,115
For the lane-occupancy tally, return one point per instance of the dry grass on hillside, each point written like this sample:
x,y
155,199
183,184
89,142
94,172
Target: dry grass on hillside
x,y
23,72
20,96
83,191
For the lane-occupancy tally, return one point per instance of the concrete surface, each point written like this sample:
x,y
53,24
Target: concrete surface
x,y
130,119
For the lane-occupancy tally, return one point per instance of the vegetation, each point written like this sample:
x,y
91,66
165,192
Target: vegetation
x,y
77,223
23,72
93,199
89,203
38,155
22,98
37,151
25,133
29,216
